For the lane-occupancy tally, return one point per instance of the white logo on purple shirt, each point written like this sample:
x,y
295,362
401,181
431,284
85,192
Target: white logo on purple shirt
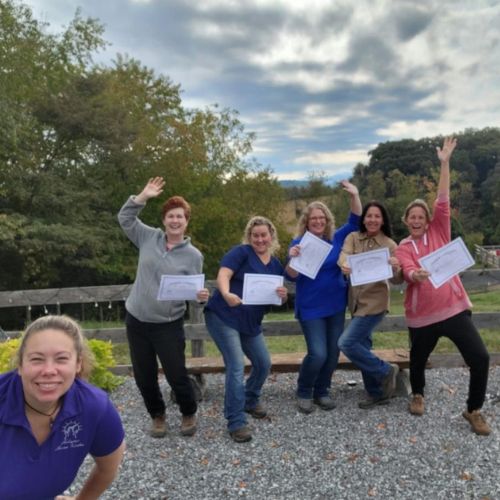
x,y
71,430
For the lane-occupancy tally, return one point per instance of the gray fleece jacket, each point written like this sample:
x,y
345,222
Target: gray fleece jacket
x,y
154,261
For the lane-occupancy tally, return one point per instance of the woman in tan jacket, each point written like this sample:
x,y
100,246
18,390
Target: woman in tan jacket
x,y
368,305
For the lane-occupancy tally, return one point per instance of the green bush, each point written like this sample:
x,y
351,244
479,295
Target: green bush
x,y
102,353
8,351
103,359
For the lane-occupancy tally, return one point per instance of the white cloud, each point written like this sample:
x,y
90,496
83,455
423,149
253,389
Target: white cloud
x,y
344,157
309,74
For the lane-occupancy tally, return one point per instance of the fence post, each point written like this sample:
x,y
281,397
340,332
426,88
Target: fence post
x,y
196,316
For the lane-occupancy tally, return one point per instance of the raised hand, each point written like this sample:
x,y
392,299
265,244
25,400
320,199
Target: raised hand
x,y
444,153
152,189
349,187
355,204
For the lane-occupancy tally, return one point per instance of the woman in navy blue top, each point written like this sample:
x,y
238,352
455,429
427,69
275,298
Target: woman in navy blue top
x,y
236,328
320,303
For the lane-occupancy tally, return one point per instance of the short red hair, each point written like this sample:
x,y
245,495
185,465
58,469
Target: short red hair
x,y
176,202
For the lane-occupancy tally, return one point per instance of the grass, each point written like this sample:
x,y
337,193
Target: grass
x,y
483,302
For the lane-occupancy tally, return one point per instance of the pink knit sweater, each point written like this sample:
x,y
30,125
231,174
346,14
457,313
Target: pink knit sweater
x,y
425,305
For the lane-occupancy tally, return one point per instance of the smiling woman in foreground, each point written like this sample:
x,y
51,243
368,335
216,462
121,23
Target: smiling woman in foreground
x,y
50,418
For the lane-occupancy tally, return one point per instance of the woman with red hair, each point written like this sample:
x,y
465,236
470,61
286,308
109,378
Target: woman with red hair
x,y
156,328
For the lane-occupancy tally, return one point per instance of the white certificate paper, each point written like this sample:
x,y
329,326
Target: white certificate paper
x,y
180,287
369,267
447,261
313,252
260,289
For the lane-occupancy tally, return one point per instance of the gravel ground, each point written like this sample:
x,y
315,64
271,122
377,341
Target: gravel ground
x,y
346,453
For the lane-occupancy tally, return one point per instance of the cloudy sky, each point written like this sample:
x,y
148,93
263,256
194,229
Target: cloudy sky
x,y
320,82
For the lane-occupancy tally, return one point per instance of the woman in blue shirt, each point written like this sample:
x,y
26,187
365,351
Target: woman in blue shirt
x,y
320,303
236,328
50,418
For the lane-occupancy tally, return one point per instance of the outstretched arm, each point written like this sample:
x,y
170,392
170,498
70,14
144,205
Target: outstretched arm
x,y
356,207
152,189
101,476
444,155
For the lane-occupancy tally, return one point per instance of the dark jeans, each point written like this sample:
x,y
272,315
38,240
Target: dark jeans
x,y
147,341
461,331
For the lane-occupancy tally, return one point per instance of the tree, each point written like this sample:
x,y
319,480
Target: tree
x,y
82,138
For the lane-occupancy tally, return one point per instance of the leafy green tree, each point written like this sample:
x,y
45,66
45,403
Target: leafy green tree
x,y
82,138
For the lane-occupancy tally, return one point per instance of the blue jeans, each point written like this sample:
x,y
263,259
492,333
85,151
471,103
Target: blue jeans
x,y
315,375
233,345
356,344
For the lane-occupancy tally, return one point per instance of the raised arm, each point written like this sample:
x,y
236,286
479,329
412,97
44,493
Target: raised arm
x,y
152,189
444,155
355,203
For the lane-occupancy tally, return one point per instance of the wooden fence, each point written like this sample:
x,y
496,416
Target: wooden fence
x,y
195,328
488,255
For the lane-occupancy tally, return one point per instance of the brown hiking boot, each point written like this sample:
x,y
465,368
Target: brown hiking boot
x,y
188,425
416,405
259,411
241,435
388,385
477,422
158,427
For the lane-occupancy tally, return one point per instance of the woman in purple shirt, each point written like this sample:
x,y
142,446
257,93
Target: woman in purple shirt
x,y
50,418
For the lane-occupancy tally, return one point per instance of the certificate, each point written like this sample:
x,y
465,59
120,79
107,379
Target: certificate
x,y
180,287
447,261
313,252
369,267
260,289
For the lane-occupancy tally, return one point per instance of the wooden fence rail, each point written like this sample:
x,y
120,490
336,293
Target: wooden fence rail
x,y
195,328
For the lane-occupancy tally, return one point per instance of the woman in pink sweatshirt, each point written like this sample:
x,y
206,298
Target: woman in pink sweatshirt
x,y
443,312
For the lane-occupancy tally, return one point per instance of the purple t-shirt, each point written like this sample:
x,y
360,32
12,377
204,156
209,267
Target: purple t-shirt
x,y
246,319
87,423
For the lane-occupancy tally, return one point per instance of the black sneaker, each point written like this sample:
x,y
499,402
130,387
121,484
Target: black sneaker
x,y
370,402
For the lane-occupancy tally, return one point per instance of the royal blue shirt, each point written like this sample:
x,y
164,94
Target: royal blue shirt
x,y
246,319
86,423
327,293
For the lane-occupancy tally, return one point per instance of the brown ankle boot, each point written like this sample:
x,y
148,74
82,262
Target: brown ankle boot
x,y
158,427
416,405
477,422
188,425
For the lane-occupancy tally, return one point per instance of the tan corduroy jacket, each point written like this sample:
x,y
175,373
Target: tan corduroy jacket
x,y
372,298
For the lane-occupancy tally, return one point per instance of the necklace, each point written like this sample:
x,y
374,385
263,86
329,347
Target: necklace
x,y
50,414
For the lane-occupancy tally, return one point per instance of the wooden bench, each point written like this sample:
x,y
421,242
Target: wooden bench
x,y
286,363
290,362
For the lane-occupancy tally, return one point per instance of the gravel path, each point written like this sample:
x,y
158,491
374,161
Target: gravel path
x,y
347,453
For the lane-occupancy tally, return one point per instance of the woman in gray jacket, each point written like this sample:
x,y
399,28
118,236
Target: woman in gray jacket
x,y
156,328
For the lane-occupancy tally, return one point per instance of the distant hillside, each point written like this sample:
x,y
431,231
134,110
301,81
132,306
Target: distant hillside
x,y
329,181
